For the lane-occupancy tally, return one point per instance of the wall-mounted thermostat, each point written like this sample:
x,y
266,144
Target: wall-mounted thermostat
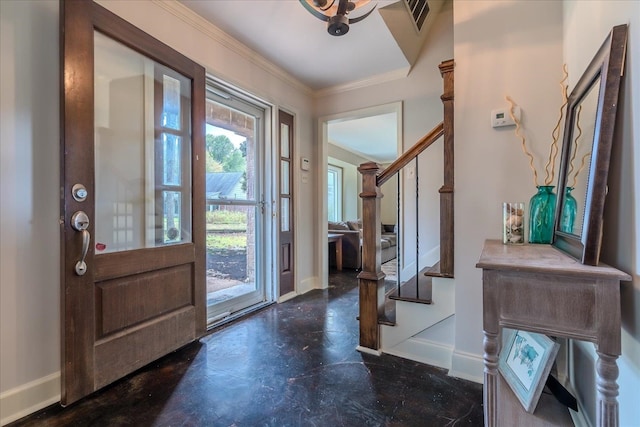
x,y
305,164
501,117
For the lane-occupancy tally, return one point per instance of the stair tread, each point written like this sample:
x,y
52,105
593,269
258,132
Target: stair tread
x,y
434,271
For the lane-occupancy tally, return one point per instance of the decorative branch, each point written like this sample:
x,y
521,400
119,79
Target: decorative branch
x,y
576,141
555,134
524,141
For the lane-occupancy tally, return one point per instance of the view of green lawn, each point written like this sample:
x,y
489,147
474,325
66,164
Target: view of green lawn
x,y
226,230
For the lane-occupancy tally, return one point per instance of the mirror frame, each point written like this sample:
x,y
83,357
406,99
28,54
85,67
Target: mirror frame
x,y
608,66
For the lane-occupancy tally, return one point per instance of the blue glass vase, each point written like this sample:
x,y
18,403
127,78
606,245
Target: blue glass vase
x,y
569,209
542,209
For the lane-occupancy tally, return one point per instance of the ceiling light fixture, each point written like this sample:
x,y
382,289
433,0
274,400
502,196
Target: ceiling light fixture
x,y
334,13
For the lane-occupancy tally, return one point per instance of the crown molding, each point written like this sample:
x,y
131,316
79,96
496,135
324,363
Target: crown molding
x,y
370,81
363,156
188,16
196,21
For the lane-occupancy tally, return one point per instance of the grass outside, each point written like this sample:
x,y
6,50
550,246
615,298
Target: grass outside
x,y
224,241
226,230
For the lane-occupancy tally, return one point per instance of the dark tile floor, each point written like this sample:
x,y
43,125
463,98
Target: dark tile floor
x,y
291,364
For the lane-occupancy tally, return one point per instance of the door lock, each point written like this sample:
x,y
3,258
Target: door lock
x,y
79,192
80,221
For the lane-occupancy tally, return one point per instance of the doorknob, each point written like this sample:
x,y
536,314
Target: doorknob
x,y
80,222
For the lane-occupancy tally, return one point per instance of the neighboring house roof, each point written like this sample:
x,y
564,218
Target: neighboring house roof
x,y
225,185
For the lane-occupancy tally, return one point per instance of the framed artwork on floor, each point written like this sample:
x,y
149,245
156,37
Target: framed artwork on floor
x,y
525,362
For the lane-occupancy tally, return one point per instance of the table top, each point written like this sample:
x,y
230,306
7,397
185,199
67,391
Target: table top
x,y
334,236
537,258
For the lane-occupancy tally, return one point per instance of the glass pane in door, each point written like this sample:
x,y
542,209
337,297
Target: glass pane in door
x,y
142,151
284,177
284,214
231,258
284,140
234,214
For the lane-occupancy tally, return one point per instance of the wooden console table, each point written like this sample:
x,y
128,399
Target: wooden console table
x,y
541,289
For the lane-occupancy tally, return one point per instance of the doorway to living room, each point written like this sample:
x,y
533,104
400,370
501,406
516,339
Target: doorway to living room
x,y
348,140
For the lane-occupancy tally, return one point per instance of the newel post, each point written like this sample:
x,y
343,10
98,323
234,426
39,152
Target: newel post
x,y
446,191
371,278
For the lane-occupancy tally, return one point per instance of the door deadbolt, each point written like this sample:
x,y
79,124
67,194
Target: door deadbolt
x,y
79,192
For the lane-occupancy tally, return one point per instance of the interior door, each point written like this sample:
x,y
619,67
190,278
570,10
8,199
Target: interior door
x,y
286,252
132,237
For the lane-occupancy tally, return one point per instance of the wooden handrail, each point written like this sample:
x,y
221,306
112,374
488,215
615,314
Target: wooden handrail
x,y
411,154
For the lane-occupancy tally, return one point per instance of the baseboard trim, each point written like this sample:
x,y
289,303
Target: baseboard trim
x,y
29,398
467,366
287,297
424,351
308,284
368,350
579,419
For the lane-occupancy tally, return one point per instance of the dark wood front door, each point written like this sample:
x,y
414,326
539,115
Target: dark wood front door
x,y
132,237
286,250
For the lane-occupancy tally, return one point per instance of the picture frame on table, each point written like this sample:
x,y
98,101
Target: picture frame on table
x,y
525,362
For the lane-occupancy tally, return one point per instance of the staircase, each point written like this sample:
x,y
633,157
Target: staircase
x,y
390,321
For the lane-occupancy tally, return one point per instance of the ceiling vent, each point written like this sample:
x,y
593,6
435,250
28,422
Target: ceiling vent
x,y
418,9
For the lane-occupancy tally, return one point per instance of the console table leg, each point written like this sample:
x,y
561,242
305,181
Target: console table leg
x,y
607,409
490,395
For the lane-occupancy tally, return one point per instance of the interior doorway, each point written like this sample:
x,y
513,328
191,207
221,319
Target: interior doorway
x,y
356,134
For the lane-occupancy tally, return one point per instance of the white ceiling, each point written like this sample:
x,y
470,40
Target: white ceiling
x,y
372,137
284,33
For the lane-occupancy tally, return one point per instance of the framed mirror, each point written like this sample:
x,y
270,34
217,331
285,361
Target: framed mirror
x,y
586,150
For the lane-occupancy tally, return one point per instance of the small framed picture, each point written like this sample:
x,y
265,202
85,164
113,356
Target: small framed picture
x,y
525,362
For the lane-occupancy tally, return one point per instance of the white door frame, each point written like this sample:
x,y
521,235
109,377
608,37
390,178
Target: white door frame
x,y
323,137
269,178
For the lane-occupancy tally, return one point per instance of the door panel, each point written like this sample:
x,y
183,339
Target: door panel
x,y
133,136
286,264
118,300
123,353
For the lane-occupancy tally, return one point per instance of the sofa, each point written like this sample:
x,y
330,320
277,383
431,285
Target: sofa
x,y
352,243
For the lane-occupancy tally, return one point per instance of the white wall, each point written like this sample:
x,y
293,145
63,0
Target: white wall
x,y
29,207
586,25
352,208
29,204
501,48
389,203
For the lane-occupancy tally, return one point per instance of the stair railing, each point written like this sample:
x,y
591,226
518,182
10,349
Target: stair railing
x,y
371,278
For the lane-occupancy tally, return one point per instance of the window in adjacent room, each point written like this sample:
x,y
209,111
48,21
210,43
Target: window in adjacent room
x,y
334,193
